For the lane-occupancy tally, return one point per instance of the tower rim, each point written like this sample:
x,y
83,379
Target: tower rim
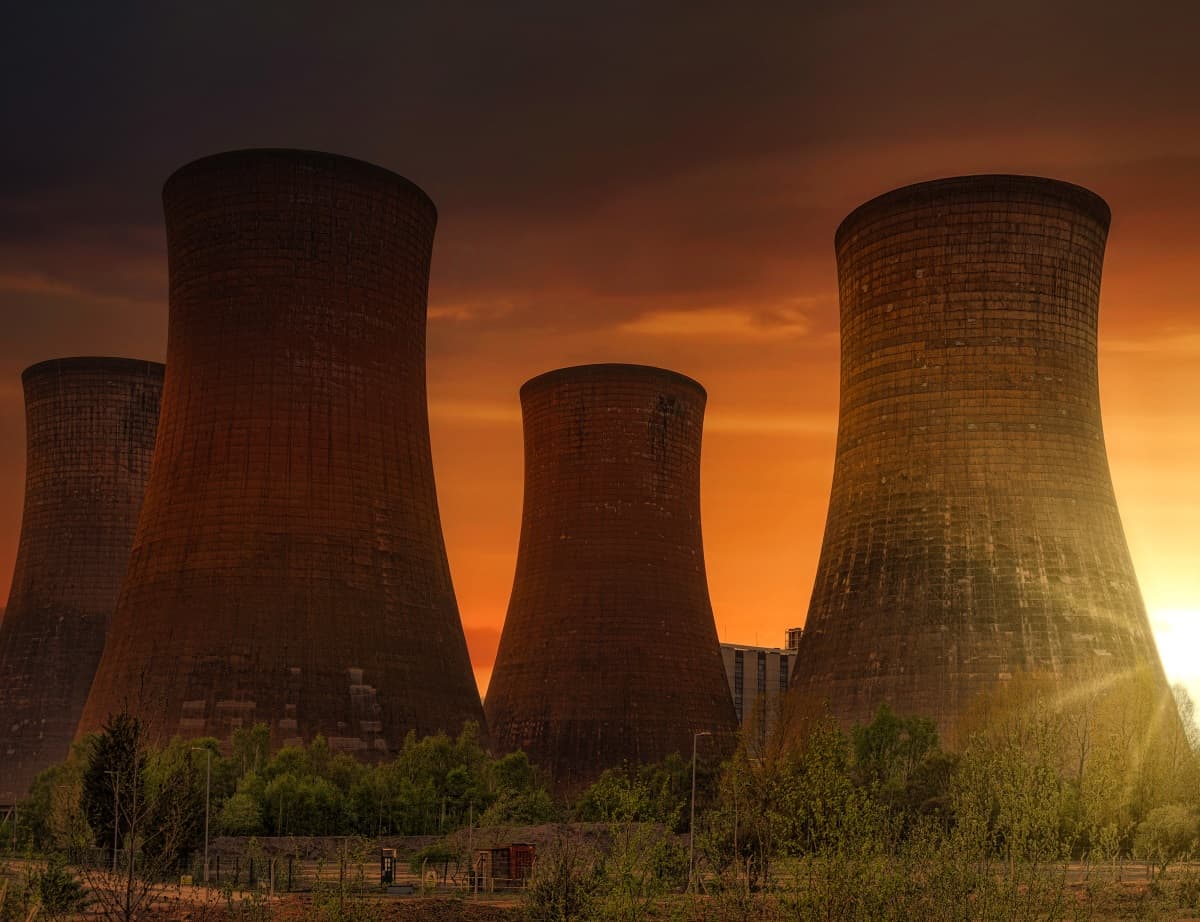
x,y
89,363
297,155
906,197
608,370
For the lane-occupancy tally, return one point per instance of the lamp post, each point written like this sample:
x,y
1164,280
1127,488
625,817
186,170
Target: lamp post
x,y
116,813
692,821
207,790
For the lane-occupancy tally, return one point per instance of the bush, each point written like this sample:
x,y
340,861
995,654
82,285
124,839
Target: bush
x,y
565,883
57,889
1167,834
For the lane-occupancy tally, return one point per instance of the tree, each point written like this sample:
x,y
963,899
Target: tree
x,y
240,815
154,818
115,771
51,811
898,759
1167,834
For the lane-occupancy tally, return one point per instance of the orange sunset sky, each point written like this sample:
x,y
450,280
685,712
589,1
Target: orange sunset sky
x,y
640,183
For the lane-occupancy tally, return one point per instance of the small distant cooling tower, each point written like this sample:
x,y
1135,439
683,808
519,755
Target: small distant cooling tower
x,y
89,436
289,566
609,652
973,535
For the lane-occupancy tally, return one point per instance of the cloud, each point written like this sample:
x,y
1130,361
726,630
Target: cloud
x,y
718,323
31,284
452,312
38,285
476,412
1178,342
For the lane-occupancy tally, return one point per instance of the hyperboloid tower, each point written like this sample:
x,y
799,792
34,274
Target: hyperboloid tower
x,y
289,566
973,535
89,436
609,652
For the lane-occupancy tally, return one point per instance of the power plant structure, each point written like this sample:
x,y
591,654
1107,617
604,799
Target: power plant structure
x,y
973,535
89,425
289,566
609,652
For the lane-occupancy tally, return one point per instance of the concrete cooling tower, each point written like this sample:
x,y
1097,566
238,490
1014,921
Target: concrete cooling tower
x,y
289,566
89,436
972,534
609,652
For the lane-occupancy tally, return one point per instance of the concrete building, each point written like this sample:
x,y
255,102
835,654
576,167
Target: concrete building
x,y
758,678
609,652
89,437
972,534
289,566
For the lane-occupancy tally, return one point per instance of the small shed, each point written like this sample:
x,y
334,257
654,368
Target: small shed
x,y
504,867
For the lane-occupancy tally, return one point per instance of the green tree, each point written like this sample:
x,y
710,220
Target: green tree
x,y
115,772
240,815
657,792
51,811
1169,833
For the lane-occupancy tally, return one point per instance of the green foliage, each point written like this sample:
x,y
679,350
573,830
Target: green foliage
x,y
653,793
115,772
241,815
1008,791
1168,833
565,885
15,897
890,748
434,784
899,761
349,897
50,815
174,795
642,865
58,892
519,799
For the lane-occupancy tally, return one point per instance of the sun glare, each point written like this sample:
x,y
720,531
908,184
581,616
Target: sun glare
x,y
1177,632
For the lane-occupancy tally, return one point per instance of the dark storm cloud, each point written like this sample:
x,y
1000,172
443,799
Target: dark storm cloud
x,y
586,161
542,107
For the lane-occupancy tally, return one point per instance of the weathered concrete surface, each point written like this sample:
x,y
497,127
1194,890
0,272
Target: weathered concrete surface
x,y
609,651
972,532
289,566
89,437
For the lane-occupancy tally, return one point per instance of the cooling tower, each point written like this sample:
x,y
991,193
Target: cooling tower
x,y
609,652
289,566
89,435
972,534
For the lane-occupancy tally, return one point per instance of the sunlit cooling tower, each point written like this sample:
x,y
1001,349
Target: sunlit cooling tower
x,y
289,566
972,534
609,652
89,435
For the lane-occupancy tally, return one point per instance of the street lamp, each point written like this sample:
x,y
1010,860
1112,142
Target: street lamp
x,y
116,812
692,821
207,790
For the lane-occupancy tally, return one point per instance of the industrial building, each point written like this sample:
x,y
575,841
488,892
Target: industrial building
x,y
289,566
972,535
89,436
759,678
609,652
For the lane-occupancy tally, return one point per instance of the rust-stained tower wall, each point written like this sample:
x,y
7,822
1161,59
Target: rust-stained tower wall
x,y
609,652
89,436
973,534
289,566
